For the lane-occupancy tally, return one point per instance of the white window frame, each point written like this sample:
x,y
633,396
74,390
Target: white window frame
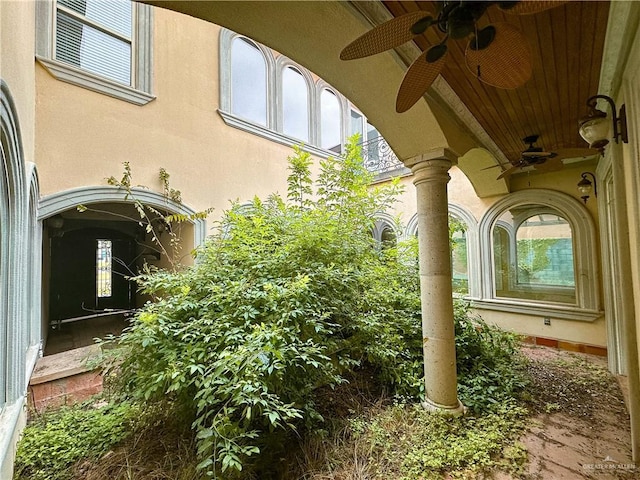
x,y
273,130
588,305
139,92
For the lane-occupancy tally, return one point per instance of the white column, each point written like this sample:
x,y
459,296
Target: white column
x,y
430,179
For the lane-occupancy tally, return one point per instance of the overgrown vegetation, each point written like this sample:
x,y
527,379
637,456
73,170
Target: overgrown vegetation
x,y
55,441
491,369
291,299
406,442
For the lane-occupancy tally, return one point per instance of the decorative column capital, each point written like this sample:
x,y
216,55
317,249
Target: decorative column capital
x,y
445,154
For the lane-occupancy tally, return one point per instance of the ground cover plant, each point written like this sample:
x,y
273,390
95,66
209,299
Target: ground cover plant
x,y
55,441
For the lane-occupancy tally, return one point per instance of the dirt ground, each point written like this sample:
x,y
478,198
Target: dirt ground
x,y
581,426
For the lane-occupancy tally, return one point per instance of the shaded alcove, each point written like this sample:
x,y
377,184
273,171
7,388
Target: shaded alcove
x,y
89,259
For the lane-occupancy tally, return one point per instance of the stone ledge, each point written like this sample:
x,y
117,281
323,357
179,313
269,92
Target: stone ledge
x,y
63,365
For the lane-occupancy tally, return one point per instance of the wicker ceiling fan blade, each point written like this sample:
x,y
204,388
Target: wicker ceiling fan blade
x,y
388,35
419,78
552,164
506,61
509,171
500,165
530,7
577,153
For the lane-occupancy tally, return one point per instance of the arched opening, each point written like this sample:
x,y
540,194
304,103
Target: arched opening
x,y
91,254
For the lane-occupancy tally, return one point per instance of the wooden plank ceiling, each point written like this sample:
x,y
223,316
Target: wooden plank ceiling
x,y
566,45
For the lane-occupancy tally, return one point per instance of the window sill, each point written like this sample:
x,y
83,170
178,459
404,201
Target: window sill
x,y
260,130
565,312
81,78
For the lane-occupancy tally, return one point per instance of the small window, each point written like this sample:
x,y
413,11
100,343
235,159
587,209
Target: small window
x,y
330,122
248,81
96,36
295,104
388,238
103,269
372,132
103,45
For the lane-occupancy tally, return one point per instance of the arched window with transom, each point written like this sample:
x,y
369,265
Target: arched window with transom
x,y
539,255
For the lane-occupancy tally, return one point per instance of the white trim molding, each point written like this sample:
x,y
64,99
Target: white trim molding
x,y
59,202
588,306
14,296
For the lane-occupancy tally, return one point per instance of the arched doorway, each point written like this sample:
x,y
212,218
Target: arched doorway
x,y
93,244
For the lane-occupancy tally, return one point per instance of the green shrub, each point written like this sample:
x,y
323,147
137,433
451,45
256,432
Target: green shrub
x,y
56,440
278,304
491,368
284,298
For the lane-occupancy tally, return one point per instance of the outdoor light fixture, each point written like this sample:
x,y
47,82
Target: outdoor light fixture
x,y
585,185
594,128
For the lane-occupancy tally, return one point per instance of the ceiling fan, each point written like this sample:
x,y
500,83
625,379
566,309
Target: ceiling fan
x,y
539,159
498,54
533,156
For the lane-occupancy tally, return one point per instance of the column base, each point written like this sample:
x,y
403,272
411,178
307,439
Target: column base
x,y
454,411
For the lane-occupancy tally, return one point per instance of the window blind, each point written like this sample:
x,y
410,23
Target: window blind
x,y
95,35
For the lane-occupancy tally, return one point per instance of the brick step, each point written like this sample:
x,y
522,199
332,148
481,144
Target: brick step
x,y
65,378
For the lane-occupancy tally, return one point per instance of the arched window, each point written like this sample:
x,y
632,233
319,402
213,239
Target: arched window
x,y
459,256
295,104
384,232
465,251
330,122
13,258
535,262
540,256
248,81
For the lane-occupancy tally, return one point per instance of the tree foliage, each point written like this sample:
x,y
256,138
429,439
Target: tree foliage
x,y
285,298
